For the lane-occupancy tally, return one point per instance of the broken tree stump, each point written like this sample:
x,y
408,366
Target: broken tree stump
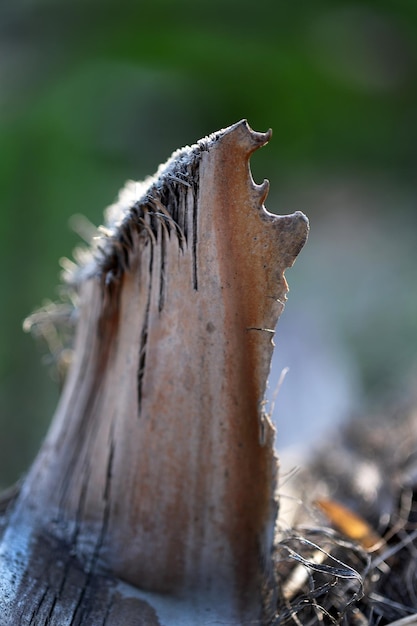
x,y
152,499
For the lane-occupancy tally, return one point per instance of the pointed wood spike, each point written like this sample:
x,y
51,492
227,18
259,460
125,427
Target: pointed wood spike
x,y
248,139
159,467
262,190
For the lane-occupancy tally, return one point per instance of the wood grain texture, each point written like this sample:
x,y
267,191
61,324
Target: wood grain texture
x,y
159,467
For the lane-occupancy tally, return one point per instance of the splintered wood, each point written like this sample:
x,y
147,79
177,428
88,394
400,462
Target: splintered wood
x,y
159,467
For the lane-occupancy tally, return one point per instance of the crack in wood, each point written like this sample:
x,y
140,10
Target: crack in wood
x,y
81,611
144,336
171,194
162,278
34,621
194,246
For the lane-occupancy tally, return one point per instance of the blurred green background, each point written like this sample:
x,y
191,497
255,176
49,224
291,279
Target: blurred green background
x,y
95,92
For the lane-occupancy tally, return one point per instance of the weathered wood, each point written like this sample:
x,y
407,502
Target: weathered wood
x,y
159,467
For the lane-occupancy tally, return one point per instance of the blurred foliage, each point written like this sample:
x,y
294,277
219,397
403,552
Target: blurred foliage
x,y
93,92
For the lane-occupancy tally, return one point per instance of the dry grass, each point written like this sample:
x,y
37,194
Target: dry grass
x,y
326,577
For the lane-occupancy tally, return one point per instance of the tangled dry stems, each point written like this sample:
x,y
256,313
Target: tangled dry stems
x,y
326,578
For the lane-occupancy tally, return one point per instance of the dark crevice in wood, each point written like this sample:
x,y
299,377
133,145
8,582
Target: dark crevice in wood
x,y
72,541
108,610
162,279
107,501
171,191
182,215
59,592
124,247
109,469
35,615
144,335
78,616
57,587
80,612
194,245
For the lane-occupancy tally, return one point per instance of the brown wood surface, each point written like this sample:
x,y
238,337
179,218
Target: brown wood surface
x,y
159,467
